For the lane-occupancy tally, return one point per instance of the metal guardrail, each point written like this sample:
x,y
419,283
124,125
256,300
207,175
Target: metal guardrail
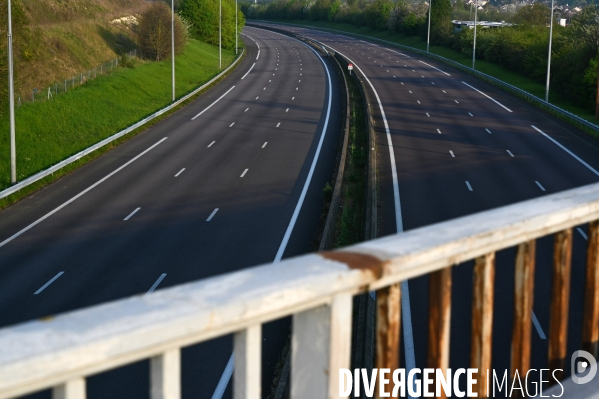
x,y
317,290
73,158
540,103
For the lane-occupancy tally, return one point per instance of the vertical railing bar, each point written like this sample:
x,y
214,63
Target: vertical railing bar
x,y
482,320
523,301
388,327
339,341
165,375
248,357
590,324
560,300
73,389
439,290
321,345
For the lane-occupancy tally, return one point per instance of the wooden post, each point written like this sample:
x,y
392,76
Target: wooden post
x,y
482,320
590,319
439,315
560,299
523,300
388,324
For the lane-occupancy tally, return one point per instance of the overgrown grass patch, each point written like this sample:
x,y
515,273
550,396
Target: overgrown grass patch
x,y
50,131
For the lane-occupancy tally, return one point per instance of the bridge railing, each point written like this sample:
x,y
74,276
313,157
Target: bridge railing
x,y
316,290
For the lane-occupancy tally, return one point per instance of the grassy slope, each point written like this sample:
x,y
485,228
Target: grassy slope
x,y
50,131
71,36
494,70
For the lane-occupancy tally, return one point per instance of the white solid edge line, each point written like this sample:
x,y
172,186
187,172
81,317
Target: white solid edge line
x,y
540,186
48,283
226,376
405,303
250,70
538,326
489,97
210,106
224,379
582,233
181,171
212,215
258,56
567,150
132,213
155,285
47,215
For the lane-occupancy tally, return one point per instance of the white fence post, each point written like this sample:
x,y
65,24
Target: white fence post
x,y
320,347
73,389
165,375
248,356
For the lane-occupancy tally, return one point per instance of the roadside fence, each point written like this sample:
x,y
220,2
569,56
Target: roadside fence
x,y
70,83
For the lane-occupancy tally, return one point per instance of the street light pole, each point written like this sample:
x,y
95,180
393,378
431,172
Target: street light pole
x,y
11,101
173,45
549,56
220,31
428,37
474,45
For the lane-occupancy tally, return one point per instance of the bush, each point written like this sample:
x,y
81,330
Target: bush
x,y
155,32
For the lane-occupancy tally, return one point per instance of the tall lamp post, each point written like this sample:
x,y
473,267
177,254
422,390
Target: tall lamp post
x,y
428,36
220,31
549,56
11,101
173,46
474,44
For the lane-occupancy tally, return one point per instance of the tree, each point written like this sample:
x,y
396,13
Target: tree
x,y
440,20
155,32
535,15
203,17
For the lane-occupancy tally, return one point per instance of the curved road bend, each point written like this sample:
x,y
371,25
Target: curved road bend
x,y
209,190
457,152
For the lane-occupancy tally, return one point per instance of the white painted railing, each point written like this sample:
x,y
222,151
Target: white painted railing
x,y
316,290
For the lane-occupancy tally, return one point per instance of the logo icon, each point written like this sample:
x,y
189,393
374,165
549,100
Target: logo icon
x,y
581,366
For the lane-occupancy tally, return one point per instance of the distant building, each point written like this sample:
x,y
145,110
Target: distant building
x,y
459,25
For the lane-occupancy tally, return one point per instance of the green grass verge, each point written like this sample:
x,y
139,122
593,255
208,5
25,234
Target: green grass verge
x,y
497,71
349,227
50,131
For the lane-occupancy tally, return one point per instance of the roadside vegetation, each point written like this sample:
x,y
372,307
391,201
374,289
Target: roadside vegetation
x,y
515,54
349,228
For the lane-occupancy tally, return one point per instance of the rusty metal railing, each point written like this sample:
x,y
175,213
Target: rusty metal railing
x,y
317,290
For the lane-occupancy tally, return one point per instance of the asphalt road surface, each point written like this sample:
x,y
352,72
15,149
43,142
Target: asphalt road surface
x,y
460,146
232,180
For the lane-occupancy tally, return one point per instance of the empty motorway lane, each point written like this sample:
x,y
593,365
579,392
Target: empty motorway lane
x,y
449,145
234,179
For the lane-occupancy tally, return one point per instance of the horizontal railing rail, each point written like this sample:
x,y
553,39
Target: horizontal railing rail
x,y
540,103
316,290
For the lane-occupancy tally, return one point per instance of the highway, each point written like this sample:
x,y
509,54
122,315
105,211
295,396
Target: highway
x,y
232,180
449,145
